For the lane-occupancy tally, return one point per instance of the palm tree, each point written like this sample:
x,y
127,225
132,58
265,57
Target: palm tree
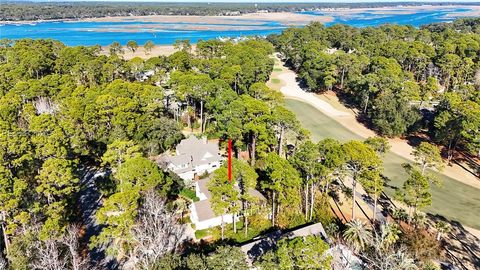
x,y
357,234
442,228
391,260
401,261
389,234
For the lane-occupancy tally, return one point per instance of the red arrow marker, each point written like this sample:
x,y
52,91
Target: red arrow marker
x,y
229,160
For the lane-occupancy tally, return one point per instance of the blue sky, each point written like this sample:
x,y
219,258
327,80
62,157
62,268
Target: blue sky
x,y
282,1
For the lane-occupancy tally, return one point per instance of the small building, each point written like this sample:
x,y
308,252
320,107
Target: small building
x,y
201,212
194,157
262,244
145,75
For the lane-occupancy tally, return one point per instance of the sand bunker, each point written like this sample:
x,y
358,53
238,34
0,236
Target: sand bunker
x,y
293,90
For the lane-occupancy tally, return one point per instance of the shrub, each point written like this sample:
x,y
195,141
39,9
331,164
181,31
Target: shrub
x,y
290,217
422,245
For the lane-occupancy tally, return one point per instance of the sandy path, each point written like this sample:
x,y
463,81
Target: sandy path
x,y
348,119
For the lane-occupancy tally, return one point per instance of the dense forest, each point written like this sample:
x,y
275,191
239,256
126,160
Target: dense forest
x,y
402,79
79,188
66,110
16,11
470,25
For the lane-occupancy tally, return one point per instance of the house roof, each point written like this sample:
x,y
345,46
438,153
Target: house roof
x,y
180,159
195,152
198,148
202,184
256,248
204,208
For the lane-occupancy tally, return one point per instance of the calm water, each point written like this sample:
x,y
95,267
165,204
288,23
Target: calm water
x,y
372,18
104,33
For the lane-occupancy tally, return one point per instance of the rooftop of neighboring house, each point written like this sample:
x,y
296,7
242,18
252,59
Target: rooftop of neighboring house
x,y
256,248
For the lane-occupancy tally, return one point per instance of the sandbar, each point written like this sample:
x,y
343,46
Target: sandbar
x,y
181,28
285,18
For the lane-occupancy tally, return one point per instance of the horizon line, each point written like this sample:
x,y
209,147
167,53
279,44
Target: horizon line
x,y
448,2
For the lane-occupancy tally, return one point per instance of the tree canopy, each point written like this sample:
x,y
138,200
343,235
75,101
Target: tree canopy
x,y
395,74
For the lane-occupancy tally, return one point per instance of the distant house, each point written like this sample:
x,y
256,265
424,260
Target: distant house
x,y
194,157
201,212
342,257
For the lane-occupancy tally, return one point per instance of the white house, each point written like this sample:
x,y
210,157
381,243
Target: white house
x,y
194,157
201,213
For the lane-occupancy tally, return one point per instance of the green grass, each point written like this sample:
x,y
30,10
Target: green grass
x,y
256,228
189,194
277,69
253,231
453,200
276,81
199,234
319,125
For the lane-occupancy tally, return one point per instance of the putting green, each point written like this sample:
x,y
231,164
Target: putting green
x,y
453,200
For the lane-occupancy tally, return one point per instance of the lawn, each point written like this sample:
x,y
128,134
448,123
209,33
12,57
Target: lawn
x,y
276,81
255,229
453,200
188,194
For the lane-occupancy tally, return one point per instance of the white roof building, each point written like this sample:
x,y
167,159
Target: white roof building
x,y
201,212
194,157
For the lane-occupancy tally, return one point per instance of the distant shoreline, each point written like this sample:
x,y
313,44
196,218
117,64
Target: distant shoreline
x,y
286,18
36,21
475,9
27,11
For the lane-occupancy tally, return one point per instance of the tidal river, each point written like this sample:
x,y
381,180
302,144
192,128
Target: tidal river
x,y
106,32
